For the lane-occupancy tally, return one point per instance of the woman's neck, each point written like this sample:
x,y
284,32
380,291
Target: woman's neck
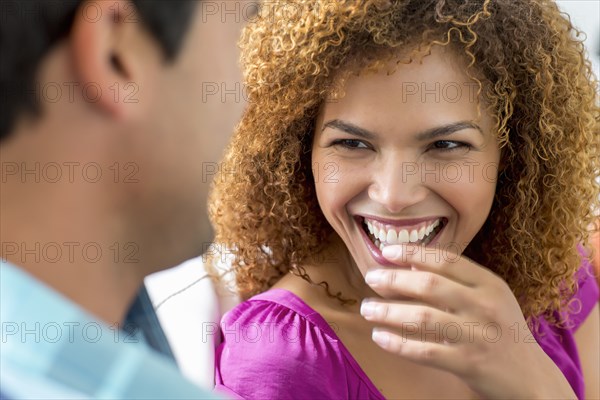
x,y
334,265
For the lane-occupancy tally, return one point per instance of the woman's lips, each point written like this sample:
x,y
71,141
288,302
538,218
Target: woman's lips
x,y
375,251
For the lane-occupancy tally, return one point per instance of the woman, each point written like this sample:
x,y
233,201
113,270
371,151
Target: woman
x,y
405,198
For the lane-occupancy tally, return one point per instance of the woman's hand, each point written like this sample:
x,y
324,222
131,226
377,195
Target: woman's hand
x,y
460,317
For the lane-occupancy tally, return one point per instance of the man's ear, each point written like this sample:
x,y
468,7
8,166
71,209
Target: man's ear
x,y
113,56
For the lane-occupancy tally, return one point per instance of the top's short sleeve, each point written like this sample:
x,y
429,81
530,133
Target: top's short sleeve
x,y
586,297
559,343
276,347
270,352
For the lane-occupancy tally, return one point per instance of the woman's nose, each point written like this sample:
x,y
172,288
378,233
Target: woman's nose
x,y
397,184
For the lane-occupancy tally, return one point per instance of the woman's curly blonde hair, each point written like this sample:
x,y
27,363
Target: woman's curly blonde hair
x,y
535,77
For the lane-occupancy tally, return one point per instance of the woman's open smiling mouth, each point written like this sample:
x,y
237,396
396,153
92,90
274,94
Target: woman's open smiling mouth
x,y
379,233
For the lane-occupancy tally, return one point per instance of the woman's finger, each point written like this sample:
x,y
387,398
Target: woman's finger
x,y
425,286
414,321
444,261
431,354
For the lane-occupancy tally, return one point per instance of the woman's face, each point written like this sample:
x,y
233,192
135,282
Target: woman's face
x,y
405,158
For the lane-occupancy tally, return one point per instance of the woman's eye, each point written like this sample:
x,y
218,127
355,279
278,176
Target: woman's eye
x,y
350,144
448,145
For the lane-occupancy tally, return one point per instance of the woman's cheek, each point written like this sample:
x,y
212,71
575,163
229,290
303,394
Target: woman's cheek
x,y
471,199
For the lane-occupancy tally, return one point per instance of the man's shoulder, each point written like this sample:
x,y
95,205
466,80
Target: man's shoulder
x,y
52,348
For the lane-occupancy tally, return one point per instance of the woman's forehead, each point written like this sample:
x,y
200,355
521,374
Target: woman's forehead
x,y
437,87
435,75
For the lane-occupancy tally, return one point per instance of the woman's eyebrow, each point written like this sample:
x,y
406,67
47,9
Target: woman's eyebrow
x,y
429,134
349,128
448,130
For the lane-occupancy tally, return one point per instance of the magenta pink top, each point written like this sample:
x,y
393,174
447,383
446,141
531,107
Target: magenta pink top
x,y
277,347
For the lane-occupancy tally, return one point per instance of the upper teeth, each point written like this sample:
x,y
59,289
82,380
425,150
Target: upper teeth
x,y
390,235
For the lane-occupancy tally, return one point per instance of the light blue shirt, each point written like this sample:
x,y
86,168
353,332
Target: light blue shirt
x,y
52,349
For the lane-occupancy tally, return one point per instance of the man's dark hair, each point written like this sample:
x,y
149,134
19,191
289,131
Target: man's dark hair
x,y
30,28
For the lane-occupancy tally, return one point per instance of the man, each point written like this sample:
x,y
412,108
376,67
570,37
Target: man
x,y
103,148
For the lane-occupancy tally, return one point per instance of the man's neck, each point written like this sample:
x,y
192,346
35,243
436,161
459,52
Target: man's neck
x,y
99,289
73,251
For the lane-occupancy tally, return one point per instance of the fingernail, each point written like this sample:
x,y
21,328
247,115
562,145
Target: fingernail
x,y
392,251
368,308
374,277
382,338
